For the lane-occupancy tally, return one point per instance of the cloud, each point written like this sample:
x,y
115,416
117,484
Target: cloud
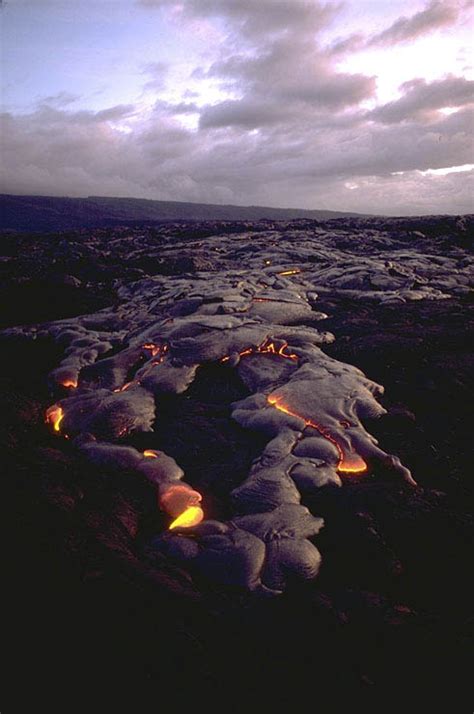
x,y
60,100
304,160
291,128
437,14
274,61
245,113
284,76
256,19
422,99
288,102
158,72
345,45
121,111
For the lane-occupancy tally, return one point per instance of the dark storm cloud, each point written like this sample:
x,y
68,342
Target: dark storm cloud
x,y
422,97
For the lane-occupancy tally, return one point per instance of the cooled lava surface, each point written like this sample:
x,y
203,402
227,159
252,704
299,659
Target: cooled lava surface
x,y
250,440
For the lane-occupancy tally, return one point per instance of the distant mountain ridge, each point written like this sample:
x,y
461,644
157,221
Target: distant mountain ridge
x,y
51,213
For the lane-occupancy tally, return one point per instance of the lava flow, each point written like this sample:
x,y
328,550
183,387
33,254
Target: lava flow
x,y
125,387
260,299
268,347
351,463
182,502
54,416
72,383
150,454
290,272
190,517
155,350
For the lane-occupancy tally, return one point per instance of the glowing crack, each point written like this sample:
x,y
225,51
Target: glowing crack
x,y
351,463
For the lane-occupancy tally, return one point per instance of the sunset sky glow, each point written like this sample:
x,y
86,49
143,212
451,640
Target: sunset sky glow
x,y
358,105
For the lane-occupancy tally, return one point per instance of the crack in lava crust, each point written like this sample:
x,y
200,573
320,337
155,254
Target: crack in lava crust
x,y
350,464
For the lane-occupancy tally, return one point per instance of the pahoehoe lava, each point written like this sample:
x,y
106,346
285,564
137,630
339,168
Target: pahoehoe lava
x,y
245,341
249,302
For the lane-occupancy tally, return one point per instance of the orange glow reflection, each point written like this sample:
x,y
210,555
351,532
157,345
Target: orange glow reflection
x,y
54,416
348,463
150,454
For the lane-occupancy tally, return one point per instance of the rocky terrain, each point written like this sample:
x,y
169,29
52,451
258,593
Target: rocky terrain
x,y
245,440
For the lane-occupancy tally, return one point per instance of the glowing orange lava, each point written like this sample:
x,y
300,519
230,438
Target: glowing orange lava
x,y
257,299
69,383
190,517
178,498
126,386
182,503
150,454
290,272
268,347
350,463
54,416
155,350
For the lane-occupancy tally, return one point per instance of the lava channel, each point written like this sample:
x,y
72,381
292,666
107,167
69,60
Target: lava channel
x,y
352,463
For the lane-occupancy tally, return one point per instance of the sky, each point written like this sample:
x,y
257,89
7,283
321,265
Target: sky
x,y
351,105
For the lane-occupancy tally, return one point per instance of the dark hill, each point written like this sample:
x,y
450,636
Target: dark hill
x,y
51,213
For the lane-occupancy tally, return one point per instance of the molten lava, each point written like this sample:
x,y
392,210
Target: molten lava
x,y
182,503
151,347
150,454
290,272
69,383
350,463
190,517
54,416
268,347
178,498
156,350
126,386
